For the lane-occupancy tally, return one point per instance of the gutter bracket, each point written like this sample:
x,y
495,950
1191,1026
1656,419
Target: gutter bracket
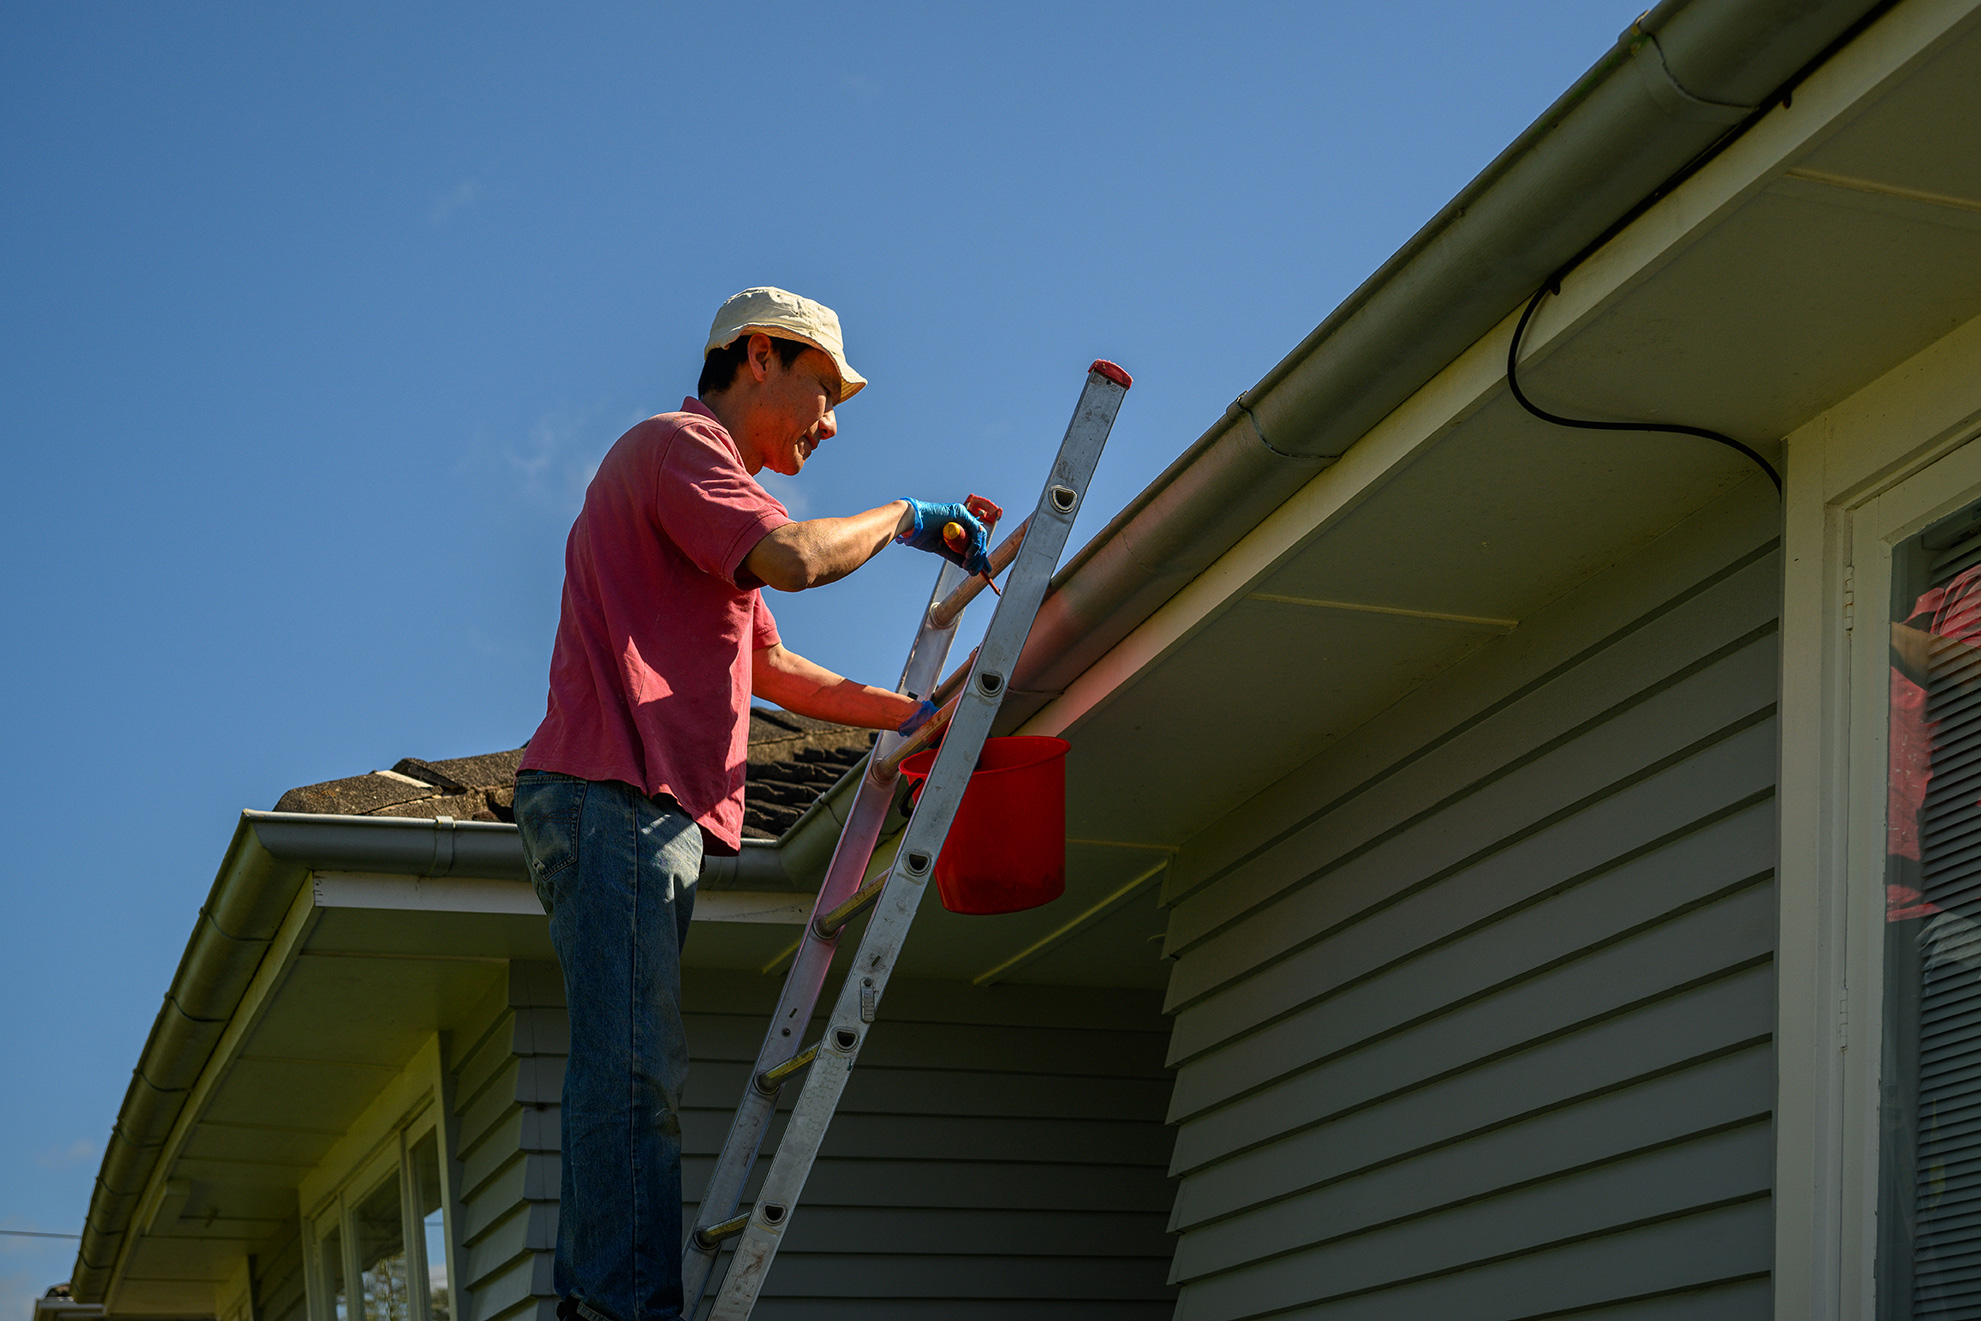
x,y
443,846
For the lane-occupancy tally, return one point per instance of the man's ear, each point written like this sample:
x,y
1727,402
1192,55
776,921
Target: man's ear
x,y
759,357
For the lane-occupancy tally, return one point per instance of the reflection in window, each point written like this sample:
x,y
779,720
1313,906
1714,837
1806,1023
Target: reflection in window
x,y
332,1250
1929,1218
382,1254
426,1193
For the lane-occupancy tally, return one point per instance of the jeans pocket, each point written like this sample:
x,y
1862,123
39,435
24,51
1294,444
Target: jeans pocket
x,y
548,809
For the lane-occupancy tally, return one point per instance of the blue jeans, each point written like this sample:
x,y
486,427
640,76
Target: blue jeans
x,y
616,872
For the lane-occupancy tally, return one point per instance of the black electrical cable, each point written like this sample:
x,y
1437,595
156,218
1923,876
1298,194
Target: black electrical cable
x,y
1671,428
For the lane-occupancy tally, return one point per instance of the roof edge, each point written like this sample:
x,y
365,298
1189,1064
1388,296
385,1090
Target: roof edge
x,y
1677,86
251,894
267,862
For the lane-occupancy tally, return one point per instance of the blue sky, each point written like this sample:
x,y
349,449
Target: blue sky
x,y
317,319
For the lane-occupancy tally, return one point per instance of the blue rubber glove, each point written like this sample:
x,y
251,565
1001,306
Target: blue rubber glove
x,y
923,714
926,534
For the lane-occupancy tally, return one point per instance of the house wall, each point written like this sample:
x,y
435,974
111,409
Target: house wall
x,y
1473,1014
280,1293
997,1149
506,1081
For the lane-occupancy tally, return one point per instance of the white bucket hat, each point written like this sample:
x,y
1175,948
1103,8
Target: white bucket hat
x,y
784,315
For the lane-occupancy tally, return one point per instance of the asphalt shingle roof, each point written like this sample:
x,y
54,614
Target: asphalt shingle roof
x,y
793,759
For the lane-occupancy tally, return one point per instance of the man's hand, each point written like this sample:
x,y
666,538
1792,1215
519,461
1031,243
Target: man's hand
x,y
924,527
796,684
923,714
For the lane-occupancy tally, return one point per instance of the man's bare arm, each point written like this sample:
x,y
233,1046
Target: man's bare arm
x,y
796,684
823,550
1913,646
1918,651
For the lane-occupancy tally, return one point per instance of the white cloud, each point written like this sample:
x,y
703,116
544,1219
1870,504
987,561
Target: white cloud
x,y
558,459
76,1153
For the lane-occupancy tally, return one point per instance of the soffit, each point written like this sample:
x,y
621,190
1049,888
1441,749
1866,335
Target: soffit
x,y
350,1013
1857,253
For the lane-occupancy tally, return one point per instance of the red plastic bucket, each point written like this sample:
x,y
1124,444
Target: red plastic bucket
x,y
1006,850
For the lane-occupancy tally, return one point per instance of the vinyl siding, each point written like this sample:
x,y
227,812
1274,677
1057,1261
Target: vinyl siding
x,y
1473,1015
996,1149
506,1082
999,1151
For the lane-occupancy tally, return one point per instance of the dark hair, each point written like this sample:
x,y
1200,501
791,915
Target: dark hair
x,y
719,368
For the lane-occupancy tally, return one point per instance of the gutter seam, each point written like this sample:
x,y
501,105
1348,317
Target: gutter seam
x,y
1724,111
1240,404
206,915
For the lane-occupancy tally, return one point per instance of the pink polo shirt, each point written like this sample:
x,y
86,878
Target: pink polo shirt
x,y
1953,611
650,676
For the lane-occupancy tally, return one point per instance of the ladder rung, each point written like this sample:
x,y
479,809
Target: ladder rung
x,y
830,924
944,613
769,1080
710,1238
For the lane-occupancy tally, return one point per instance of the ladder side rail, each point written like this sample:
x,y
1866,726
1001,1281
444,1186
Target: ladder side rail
x,y
813,959
914,862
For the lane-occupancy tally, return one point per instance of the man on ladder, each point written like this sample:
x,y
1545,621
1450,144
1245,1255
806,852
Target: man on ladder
x,y
638,765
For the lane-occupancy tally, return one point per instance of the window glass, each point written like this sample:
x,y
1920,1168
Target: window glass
x,y
331,1254
382,1253
433,1225
1929,1216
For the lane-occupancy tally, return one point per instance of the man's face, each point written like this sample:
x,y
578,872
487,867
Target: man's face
x,y
794,409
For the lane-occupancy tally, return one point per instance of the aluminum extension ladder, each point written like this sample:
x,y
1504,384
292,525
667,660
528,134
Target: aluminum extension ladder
x,y
968,702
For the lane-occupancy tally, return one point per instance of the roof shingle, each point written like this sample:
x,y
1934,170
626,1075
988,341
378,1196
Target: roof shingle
x,y
792,760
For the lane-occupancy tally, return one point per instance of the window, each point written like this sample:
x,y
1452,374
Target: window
x,y
429,1214
331,1253
1929,1214
381,1238
385,1232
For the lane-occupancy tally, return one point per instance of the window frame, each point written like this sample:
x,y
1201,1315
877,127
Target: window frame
x,y
1877,528
407,1110
390,1158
